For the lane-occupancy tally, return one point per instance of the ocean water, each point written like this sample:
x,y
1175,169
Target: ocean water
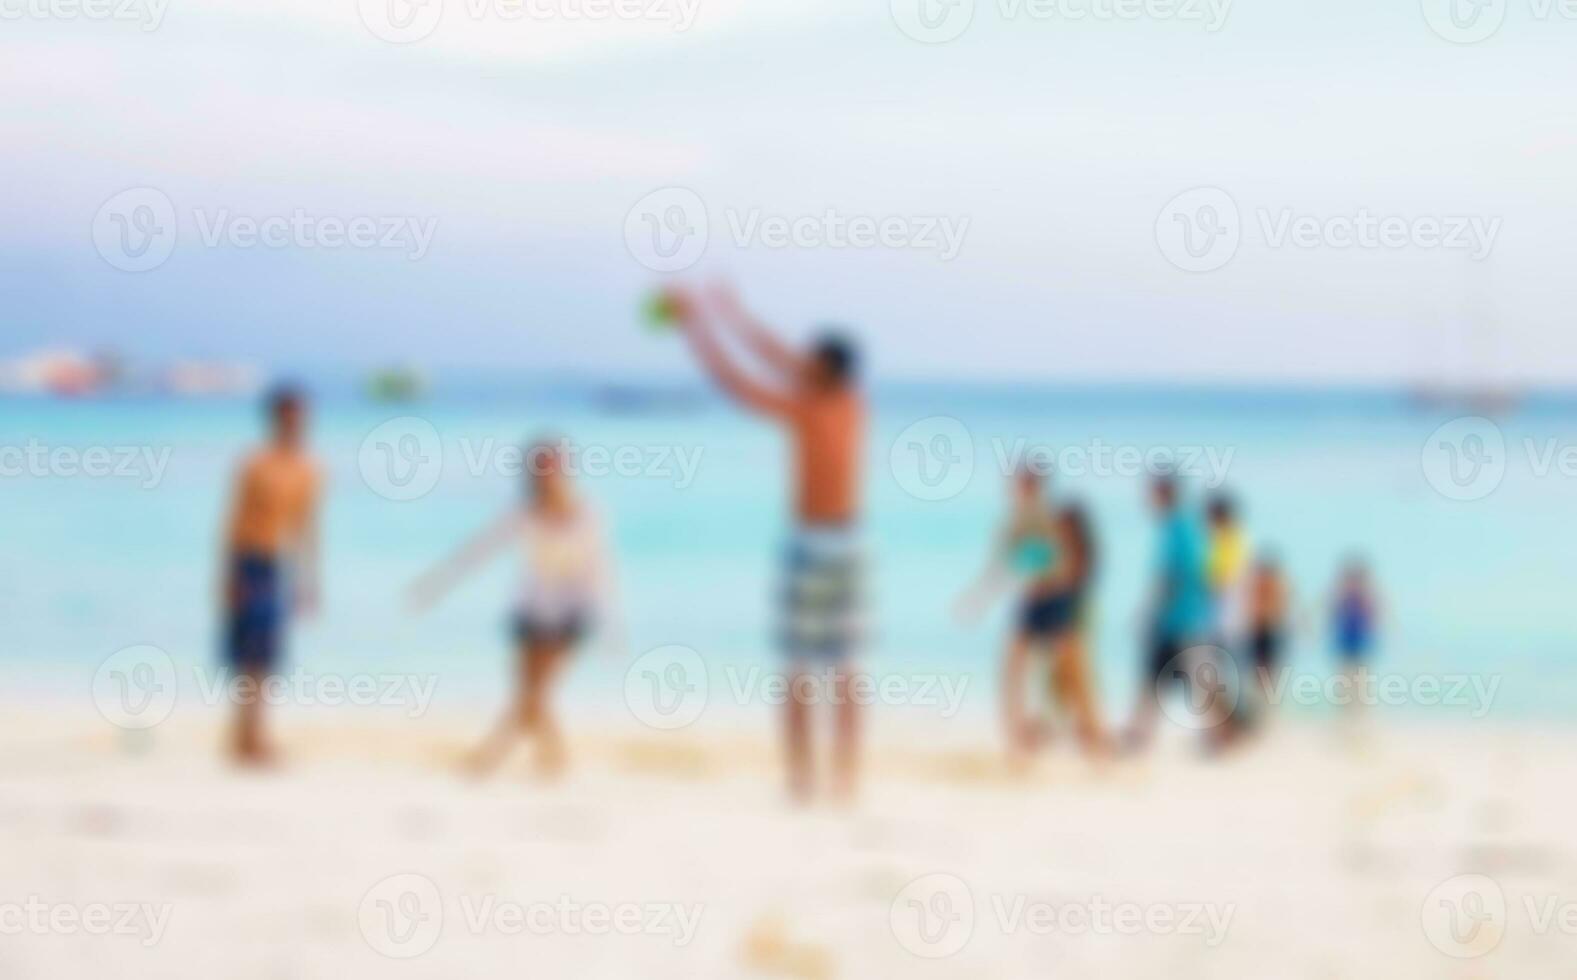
x,y
1481,586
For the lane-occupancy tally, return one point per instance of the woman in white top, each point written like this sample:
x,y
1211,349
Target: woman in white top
x,y
566,587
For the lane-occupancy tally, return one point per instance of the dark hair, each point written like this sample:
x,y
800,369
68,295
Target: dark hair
x,y
836,352
534,453
1165,485
1222,508
283,397
1081,536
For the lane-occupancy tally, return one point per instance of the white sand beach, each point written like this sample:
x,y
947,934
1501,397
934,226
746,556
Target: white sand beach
x,y
674,855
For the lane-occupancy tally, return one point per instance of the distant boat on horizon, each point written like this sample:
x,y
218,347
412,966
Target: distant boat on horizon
x,y
626,399
397,384
66,373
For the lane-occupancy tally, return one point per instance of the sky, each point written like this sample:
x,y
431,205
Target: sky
x,y
1042,196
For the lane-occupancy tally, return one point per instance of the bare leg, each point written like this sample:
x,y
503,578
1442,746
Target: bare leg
x,y
1020,739
487,756
250,747
846,739
1141,726
544,663
796,737
1078,692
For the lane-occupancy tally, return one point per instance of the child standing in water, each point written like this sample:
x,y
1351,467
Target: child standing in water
x,y
1227,572
566,588
271,561
1354,617
1268,605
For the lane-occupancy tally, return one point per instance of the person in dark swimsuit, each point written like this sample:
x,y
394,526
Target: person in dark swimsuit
x,y
1268,605
1072,681
1049,554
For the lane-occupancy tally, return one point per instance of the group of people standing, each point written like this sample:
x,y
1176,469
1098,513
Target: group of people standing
x,y
1216,624
1207,592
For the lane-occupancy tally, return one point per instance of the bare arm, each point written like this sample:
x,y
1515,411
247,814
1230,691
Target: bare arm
x,y
740,386
605,585
307,562
229,593
755,335
994,579
430,586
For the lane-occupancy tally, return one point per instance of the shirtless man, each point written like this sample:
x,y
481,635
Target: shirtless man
x,y
813,395
271,539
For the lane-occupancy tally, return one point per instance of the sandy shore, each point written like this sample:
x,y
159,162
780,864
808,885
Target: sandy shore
x,y
674,855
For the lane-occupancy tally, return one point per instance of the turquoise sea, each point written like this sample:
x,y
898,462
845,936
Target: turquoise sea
x,y
94,564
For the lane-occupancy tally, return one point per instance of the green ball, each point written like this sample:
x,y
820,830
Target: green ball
x,y
661,312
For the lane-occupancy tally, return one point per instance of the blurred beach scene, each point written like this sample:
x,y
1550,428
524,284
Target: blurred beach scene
x,y
1474,587
370,851
787,489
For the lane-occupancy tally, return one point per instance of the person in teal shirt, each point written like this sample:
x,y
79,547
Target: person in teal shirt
x,y
1180,614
